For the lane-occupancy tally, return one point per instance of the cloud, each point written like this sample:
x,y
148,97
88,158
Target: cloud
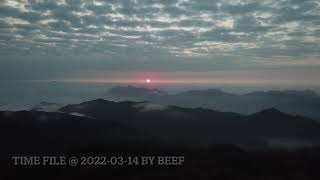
x,y
144,107
133,29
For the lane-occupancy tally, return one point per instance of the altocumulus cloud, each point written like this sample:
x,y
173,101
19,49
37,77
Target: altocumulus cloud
x,y
245,30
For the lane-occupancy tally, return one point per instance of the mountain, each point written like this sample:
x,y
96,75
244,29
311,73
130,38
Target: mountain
x,y
304,103
132,91
208,92
48,132
214,144
104,122
202,126
288,93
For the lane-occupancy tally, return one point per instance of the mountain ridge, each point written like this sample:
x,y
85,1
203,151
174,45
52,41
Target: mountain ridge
x,y
204,121
304,103
107,122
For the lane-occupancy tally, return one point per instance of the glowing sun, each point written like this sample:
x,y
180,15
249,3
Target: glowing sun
x,y
148,80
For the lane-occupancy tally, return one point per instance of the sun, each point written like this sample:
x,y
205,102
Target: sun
x,y
148,80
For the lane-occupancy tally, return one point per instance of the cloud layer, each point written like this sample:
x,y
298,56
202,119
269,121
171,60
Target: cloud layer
x,y
248,30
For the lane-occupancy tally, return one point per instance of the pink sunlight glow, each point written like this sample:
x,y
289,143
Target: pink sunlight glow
x,y
261,76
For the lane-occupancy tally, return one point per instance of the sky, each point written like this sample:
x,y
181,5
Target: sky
x,y
167,40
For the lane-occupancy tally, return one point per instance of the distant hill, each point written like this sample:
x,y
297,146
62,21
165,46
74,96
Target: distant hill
x,y
132,91
304,103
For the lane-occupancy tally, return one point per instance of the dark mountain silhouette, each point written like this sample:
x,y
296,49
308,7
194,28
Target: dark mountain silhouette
x,y
304,103
202,126
213,162
103,122
215,145
36,131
